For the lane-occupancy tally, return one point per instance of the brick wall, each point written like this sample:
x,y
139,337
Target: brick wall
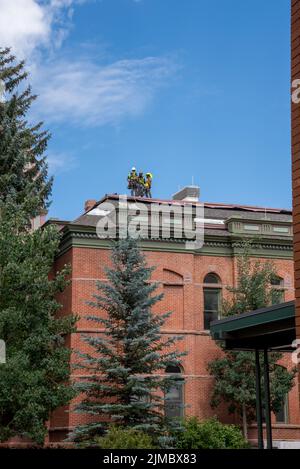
x,y
181,278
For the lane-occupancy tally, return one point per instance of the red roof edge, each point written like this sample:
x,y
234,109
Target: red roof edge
x,y
251,208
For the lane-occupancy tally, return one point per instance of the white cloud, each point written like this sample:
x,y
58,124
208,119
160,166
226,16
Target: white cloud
x,y
28,25
23,24
85,93
82,91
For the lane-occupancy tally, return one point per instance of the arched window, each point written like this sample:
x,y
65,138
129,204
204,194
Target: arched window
x,y
277,284
212,278
174,399
212,298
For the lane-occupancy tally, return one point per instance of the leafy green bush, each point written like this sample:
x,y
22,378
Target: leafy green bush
x,y
121,438
208,434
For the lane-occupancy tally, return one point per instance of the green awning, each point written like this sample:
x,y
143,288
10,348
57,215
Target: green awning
x,y
272,328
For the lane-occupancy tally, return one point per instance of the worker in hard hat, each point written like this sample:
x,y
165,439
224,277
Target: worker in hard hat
x,y
132,179
140,185
148,184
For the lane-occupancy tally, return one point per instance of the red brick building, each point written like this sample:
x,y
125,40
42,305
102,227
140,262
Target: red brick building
x,y
193,282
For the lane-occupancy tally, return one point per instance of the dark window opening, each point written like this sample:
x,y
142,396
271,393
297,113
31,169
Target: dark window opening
x,y
212,278
282,416
174,396
277,294
211,306
277,281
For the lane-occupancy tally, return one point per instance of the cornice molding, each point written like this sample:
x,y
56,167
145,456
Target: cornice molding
x,y
222,245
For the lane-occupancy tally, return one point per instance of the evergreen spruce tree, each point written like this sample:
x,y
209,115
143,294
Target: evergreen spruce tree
x,y
126,366
234,372
34,379
24,182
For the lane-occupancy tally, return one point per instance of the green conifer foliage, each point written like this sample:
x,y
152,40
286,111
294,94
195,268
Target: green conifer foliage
x,y
126,364
34,379
23,168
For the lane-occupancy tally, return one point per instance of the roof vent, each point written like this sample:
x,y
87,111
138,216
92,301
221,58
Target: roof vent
x,y
188,193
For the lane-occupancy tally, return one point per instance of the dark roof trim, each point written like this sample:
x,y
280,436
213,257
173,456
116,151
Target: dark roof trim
x,y
253,319
250,208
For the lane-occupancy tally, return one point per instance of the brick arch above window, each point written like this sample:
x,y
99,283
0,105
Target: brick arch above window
x,y
172,277
211,278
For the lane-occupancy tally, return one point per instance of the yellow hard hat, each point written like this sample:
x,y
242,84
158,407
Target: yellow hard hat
x,y
149,174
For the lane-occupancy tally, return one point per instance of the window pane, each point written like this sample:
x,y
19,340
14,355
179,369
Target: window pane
x,y
282,414
277,281
208,318
174,401
277,296
211,305
173,410
174,393
211,300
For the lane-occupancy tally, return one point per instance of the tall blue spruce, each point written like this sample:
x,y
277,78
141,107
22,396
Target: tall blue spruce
x,y
34,378
126,379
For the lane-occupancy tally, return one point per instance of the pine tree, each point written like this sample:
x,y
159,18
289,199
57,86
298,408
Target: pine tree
x,y
234,372
24,180
126,381
34,379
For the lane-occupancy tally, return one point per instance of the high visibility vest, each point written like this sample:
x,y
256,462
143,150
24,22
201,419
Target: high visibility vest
x,y
132,176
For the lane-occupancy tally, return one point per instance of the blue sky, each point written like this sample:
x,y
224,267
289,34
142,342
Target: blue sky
x,y
183,88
